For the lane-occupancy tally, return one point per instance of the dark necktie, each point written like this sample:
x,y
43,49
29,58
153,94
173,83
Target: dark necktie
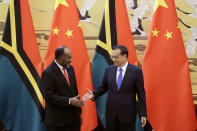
x,y
119,78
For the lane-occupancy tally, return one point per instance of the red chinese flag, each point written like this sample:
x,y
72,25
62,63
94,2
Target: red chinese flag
x,y
66,30
166,73
124,35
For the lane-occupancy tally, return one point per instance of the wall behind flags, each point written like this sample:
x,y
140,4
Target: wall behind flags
x,y
42,12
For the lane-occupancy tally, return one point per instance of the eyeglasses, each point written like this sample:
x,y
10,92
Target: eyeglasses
x,y
115,57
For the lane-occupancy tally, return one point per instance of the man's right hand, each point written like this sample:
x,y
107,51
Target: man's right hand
x,y
75,101
87,96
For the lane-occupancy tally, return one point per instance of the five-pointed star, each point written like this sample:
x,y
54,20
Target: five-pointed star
x,y
168,35
155,32
55,31
79,24
160,3
69,33
63,2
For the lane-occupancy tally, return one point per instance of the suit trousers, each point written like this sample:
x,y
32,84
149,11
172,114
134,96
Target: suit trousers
x,y
73,127
120,126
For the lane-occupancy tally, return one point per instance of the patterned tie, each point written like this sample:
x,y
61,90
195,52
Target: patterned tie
x,y
66,76
119,78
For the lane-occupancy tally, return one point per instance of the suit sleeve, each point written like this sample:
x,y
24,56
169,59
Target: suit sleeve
x,y
50,95
74,81
102,88
77,109
141,94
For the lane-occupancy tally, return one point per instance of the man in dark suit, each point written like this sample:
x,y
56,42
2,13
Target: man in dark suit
x,y
63,106
122,81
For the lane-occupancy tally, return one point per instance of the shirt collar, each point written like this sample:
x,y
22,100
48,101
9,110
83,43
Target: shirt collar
x,y
61,67
124,67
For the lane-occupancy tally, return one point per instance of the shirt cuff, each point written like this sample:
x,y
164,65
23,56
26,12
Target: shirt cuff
x,y
69,101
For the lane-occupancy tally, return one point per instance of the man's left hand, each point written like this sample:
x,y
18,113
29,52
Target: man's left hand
x,y
143,120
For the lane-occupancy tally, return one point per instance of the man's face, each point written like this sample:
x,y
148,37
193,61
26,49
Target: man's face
x,y
66,58
118,59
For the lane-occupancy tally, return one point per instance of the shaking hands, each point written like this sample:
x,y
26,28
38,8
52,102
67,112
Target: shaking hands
x,y
89,95
75,101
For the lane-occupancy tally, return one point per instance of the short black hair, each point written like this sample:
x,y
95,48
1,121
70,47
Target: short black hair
x,y
59,51
123,49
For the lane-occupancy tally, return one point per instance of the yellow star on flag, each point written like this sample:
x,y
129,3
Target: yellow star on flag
x,y
155,32
69,33
55,31
160,3
79,24
63,2
168,35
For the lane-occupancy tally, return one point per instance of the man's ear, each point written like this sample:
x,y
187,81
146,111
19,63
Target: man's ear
x,y
59,59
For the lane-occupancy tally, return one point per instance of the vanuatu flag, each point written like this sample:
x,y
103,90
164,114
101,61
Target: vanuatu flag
x,y
21,101
114,30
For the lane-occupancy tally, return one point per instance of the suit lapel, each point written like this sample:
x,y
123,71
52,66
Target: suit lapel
x,y
114,77
71,76
60,74
125,76
70,73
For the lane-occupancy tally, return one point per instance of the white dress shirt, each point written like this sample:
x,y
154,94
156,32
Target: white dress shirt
x,y
123,71
61,67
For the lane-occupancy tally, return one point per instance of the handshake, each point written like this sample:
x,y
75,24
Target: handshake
x,y
75,101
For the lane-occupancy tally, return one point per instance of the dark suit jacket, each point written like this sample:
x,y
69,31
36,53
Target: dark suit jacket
x,y
122,103
58,111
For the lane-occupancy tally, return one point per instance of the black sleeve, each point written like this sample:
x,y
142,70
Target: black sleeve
x,y
76,93
50,95
74,82
103,87
141,94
